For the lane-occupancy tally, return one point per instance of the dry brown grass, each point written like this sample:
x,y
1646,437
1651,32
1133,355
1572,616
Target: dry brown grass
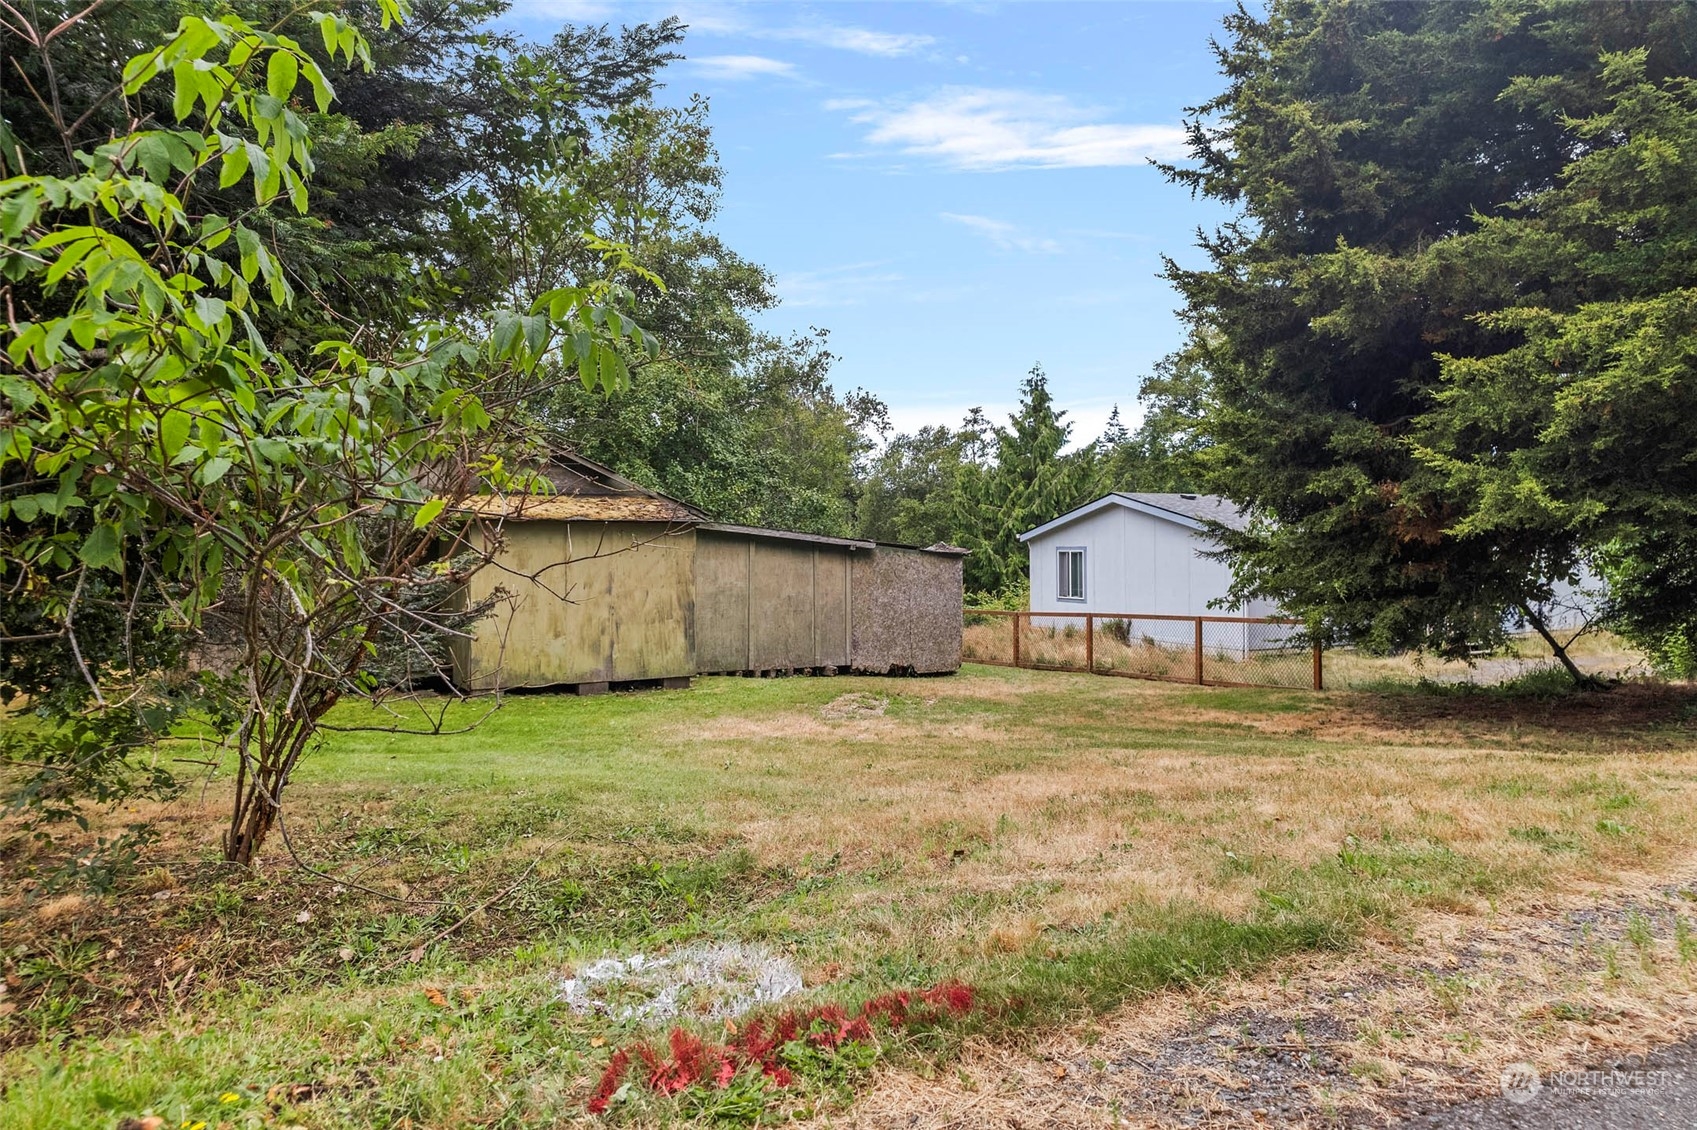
x,y
1165,650
1081,797
1153,649
1407,1022
967,826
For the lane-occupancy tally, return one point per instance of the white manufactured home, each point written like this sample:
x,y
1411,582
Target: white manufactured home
x,y
1140,555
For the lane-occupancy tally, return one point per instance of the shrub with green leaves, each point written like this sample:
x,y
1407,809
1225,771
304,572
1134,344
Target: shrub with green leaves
x,y
157,450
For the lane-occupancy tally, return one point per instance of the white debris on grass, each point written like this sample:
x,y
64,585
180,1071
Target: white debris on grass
x,y
709,980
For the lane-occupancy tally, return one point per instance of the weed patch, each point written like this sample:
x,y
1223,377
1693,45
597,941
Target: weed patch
x,y
826,1044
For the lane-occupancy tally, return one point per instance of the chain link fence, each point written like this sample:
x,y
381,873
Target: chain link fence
x,y
1245,651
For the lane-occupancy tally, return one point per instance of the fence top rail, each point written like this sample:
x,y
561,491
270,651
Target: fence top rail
x,y
1138,616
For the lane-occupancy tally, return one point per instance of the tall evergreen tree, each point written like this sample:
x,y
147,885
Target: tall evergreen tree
x,y
1582,426
1029,483
1354,138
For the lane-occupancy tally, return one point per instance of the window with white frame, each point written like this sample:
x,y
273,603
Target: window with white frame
x,y
1070,571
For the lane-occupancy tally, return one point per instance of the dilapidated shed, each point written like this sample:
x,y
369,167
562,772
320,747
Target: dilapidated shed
x,y
771,600
606,583
593,585
907,609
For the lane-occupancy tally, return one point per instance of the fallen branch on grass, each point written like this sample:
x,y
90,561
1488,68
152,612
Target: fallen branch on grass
x,y
417,951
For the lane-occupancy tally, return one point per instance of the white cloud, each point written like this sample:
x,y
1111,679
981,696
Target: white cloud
x,y
862,41
847,285
742,66
716,19
1005,235
979,129
710,19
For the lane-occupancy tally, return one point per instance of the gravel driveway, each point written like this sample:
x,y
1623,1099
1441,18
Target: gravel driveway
x,y
1653,1091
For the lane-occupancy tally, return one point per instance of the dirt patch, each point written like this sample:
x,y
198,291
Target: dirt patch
x,y
854,706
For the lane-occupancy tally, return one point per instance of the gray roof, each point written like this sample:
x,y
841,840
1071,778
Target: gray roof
x,y
783,535
1202,507
1193,511
821,539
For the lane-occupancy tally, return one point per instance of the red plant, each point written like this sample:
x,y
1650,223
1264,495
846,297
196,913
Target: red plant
x,y
758,1045
610,1080
955,997
761,1042
693,1059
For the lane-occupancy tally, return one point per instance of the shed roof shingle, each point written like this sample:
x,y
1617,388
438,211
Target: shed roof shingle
x,y
578,508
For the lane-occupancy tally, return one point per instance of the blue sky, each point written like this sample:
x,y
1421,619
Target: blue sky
x,y
956,191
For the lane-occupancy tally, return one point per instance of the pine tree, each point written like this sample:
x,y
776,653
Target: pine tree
x,y
1114,433
1029,483
1358,140
1582,425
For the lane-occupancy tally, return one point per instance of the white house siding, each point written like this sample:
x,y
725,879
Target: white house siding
x,y
1139,564
1572,604
1133,562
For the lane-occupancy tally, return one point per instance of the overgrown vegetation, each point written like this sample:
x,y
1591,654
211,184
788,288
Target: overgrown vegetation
x,y
1059,852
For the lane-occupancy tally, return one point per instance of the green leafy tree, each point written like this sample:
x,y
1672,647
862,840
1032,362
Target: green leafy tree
x,y
767,442
909,492
743,424
448,104
154,442
1165,453
1357,140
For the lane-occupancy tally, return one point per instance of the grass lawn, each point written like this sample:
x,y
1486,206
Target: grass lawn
x,y
1063,843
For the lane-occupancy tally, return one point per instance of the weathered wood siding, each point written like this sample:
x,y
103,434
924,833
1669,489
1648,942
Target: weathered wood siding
x,y
763,604
907,611
610,602
721,602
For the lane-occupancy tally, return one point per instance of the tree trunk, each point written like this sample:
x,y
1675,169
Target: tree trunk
x,y
259,785
1580,678
254,816
268,753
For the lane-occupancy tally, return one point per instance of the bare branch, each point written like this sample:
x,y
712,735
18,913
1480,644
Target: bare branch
x,y
70,634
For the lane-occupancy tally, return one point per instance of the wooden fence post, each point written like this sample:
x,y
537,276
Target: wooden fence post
x,y
1015,619
1090,643
1319,668
1199,651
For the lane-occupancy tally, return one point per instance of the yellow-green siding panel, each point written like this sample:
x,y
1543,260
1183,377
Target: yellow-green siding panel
x,y
585,602
722,565
768,604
